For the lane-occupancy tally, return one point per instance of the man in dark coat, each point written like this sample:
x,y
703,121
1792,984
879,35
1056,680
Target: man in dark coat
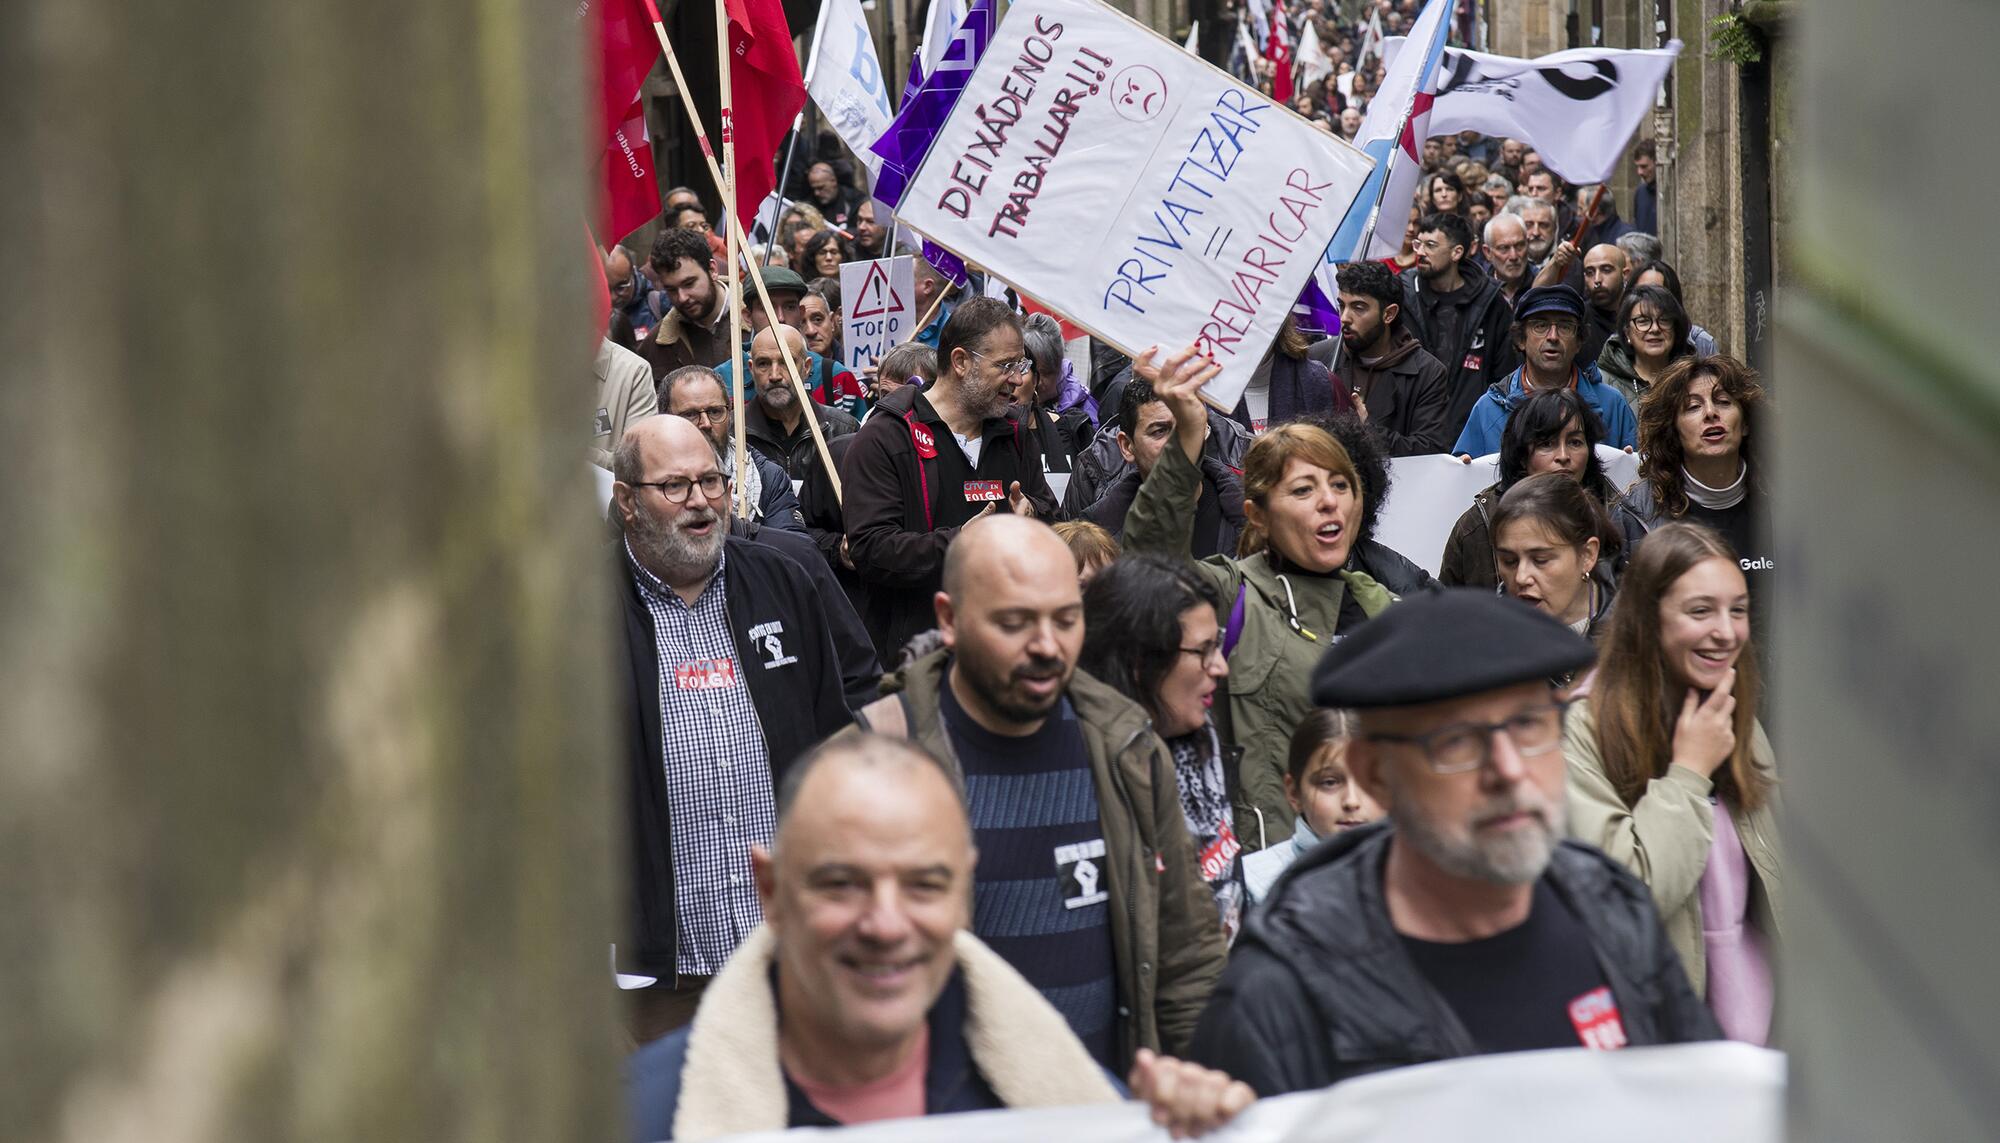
x,y
1463,925
1396,384
1144,428
1454,308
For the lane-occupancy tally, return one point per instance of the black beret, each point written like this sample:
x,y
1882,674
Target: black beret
x,y
1446,645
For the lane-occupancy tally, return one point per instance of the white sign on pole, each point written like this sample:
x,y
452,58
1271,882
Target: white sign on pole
x,y
878,308
1132,187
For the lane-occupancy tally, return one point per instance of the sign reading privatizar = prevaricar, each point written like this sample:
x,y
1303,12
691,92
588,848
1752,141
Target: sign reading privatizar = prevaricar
x,y
1132,187
878,308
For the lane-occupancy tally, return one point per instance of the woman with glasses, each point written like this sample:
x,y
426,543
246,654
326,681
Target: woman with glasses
x,y
1651,334
1284,598
1671,773
1150,631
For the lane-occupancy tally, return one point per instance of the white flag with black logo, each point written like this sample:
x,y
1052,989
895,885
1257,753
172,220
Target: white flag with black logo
x,y
1577,108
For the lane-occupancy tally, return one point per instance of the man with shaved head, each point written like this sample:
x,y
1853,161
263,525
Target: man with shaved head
x,y
732,676
858,999
1086,881
775,421
1603,287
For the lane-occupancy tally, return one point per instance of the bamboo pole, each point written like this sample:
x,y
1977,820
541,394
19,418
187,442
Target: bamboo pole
x,y
739,238
734,270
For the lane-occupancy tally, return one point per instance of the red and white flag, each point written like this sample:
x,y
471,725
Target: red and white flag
x,y
1279,53
631,189
768,92
627,48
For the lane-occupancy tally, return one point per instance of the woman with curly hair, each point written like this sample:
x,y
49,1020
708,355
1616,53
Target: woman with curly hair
x,y
1698,431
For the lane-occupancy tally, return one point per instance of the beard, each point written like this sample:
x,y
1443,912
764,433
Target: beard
x,y
980,401
665,547
1514,859
998,685
1538,250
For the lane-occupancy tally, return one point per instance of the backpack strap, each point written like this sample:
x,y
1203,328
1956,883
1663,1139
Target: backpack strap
x,y
887,716
917,434
1233,631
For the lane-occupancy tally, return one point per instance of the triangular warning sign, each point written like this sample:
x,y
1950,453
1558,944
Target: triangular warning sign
x,y
877,296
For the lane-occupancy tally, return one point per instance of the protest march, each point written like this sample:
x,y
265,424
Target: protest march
x,y
1175,574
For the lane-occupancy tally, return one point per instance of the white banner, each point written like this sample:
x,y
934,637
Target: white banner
x,y
1716,1092
878,309
1577,108
1427,495
846,79
1130,186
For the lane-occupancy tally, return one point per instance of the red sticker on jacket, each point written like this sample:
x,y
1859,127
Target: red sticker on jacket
x,y
1472,362
705,674
976,490
1595,1015
926,444
1217,855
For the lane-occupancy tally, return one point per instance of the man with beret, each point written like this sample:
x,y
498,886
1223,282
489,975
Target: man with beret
x,y
1548,331
1462,925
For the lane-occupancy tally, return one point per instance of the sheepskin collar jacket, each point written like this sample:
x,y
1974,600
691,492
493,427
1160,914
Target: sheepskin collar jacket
x,y
994,1042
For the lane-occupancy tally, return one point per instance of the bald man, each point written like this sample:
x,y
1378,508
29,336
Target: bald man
x,y
1604,268
1086,880
855,1001
732,676
775,421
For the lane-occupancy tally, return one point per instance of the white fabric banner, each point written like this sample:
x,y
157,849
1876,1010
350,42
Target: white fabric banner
x,y
847,81
1182,206
1427,495
879,308
1393,143
1578,108
1717,1092
1311,58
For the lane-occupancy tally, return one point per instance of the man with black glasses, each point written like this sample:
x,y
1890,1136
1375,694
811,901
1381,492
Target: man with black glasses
x,y
732,676
1463,925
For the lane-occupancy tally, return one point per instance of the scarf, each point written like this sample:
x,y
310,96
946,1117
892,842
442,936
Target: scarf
x,y
1204,791
1715,499
753,479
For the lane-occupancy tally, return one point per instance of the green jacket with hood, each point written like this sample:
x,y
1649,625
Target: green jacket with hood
x,y
1289,621
1166,940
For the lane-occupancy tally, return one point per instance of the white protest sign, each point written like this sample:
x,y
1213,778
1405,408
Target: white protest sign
x,y
1717,1092
878,308
1427,495
1132,187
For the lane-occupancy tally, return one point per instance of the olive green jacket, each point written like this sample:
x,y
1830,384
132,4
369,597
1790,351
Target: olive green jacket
x,y
1165,937
1288,623
1665,838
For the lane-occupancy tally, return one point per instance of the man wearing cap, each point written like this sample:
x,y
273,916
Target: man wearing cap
x,y
1548,333
1462,925
788,292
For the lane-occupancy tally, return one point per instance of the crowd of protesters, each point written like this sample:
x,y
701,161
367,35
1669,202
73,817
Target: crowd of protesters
x,y
950,792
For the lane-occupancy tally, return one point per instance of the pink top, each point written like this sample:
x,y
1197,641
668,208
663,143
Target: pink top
x,y
1740,992
898,1095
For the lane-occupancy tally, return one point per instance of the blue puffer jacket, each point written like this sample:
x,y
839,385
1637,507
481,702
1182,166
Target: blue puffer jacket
x,y
1489,416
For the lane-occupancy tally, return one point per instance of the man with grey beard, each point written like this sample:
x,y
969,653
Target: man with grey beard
x,y
732,676
1462,925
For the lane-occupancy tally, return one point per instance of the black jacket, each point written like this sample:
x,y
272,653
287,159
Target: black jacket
x,y
1222,488
1392,569
789,450
1299,387
1320,988
1406,395
820,510
1101,465
902,510
860,671
778,506
1483,352
798,703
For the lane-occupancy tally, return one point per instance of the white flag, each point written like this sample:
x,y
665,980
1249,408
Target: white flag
x,y
846,81
1577,108
1193,44
1311,60
1371,40
1398,118
1260,18
946,16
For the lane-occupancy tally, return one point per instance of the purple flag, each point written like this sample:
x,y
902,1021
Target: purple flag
x,y
944,261
1315,313
923,113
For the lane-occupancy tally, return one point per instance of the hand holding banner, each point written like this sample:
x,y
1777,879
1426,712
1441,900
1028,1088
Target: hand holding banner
x,y
1188,208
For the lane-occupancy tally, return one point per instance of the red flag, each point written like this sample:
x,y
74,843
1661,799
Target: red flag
x,y
627,50
631,190
1279,53
1070,330
768,91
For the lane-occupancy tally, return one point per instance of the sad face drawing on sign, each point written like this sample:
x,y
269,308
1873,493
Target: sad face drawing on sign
x,y
1138,93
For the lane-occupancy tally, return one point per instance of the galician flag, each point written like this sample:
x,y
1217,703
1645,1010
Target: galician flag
x,y
1397,122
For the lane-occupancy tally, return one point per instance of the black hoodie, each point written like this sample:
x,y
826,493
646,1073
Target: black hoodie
x,y
1481,353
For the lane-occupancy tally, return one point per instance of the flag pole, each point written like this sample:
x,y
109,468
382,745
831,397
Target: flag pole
x,y
728,189
739,238
1375,209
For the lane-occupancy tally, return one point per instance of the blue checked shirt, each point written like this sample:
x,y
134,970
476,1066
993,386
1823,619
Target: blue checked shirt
x,y
719,797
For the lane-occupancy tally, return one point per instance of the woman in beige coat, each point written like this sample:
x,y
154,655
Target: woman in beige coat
x,y
1670,772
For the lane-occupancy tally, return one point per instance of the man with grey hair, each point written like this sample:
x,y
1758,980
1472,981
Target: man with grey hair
x,y
1539,219
1506,246
731,676
695,393
1639,247
1463,925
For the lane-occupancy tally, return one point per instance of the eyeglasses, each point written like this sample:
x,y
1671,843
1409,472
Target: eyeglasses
x,y
676,488
1466,746
1648,322
714,414
1539,327
1209,652
1019,366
